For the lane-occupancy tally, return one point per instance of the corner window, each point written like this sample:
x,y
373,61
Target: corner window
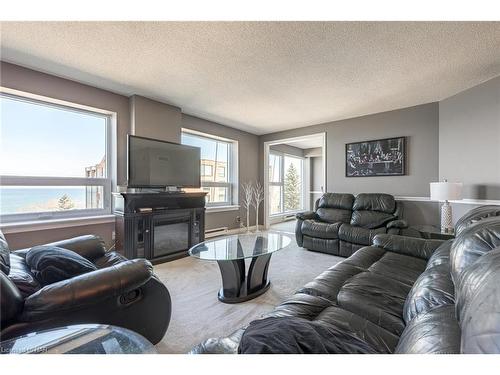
x,y
54,160
218,166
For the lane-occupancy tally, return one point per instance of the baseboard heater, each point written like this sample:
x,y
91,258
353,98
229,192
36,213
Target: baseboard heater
x,y
216,232
288,217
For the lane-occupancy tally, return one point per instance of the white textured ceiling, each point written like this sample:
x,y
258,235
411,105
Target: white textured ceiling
x,y
265,76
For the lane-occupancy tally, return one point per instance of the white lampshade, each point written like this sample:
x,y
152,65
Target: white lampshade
x,y
446,191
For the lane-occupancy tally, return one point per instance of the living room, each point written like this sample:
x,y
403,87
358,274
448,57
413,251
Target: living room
x,y
263,187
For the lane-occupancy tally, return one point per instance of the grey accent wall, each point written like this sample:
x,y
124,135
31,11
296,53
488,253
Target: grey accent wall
x,y
153,119
248,148
469,140
420,124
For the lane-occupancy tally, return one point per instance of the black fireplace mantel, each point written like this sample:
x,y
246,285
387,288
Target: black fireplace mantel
x,y
158,226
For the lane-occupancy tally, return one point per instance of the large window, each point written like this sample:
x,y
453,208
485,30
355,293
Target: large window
x,y
218,162
54,160
285,183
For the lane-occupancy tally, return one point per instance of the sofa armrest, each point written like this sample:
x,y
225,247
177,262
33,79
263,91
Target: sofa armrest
x,y
417,247
398,224
306,215
89,246
88,289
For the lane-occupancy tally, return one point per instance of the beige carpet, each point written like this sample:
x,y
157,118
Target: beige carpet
x,y
197,314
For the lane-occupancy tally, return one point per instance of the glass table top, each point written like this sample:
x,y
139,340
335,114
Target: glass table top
x,y
79,339
240,246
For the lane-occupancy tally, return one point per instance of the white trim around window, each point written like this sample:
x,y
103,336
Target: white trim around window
x,y
232,173
107,183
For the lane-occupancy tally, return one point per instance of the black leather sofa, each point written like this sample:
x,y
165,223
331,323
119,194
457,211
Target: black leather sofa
x,y
120,292
342,223
400,295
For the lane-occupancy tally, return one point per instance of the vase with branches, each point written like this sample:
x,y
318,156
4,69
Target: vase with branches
x,y
258,198
248,196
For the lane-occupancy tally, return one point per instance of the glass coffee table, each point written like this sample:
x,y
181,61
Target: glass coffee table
x,y
230,252
79,339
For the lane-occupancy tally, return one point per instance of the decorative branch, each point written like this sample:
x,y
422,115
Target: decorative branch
x,y
258,198
247,202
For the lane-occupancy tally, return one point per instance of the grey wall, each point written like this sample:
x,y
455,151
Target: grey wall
x,y
153,119
420,124
469,140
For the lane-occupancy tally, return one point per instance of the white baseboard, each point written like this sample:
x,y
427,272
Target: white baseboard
x,y
480,202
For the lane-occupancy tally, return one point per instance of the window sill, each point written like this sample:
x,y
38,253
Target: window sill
x,y
214,209
30,226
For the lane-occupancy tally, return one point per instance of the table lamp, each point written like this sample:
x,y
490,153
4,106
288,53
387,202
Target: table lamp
x,y
444,192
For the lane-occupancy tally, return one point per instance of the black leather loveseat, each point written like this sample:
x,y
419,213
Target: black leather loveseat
x,y
400,295
342,223
120,292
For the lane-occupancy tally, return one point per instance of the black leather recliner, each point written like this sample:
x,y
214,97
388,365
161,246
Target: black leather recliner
x,y
403,295
120,292
342,223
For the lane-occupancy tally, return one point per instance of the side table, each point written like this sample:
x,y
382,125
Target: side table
x,y
431,232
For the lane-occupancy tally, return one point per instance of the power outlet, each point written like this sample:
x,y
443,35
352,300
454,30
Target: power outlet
x,y
238,219
113,235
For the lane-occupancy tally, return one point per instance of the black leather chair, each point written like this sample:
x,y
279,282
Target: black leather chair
x,y
403,295
121,292
342,223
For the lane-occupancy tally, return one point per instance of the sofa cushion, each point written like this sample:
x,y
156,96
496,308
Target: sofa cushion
x,y
377,298
474,279
336,200
432,289
51,264
334,215
475,215
434,332
21,275
472,243
358,235
375,202
441,255
334,207
109,259
4,255
319,229
371,219
478,305
325,245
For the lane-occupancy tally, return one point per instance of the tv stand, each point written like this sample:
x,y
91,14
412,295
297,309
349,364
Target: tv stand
x,y
159,226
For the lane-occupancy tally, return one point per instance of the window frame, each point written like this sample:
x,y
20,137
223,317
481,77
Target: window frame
x,y
107,182
281,183
231,169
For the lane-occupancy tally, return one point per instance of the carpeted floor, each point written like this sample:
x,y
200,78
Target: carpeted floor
x,y
197,314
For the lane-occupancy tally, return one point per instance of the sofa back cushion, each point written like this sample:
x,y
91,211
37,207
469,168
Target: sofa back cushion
x,y
434,332
4,255
478,305
472,243
475,215
373,210
335,207
375,202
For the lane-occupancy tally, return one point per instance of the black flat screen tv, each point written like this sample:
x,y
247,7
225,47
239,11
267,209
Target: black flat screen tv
x,y
156,164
